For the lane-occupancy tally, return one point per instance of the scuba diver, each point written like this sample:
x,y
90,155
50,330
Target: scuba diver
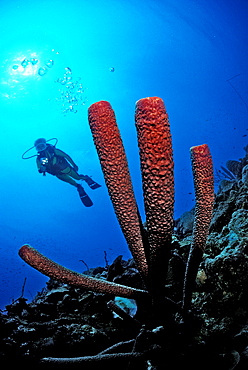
x,y
57,163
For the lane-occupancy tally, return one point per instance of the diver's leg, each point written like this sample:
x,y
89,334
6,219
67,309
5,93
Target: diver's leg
x,y
83,195
92,184
73,174
67,178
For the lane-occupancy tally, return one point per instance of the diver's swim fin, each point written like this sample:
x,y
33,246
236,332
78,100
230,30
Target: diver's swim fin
x,y
92,184
84,197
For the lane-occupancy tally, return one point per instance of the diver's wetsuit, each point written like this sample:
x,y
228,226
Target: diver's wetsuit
x,y
58,163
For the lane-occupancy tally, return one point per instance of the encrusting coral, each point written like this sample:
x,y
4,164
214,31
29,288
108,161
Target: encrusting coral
x,y
149,246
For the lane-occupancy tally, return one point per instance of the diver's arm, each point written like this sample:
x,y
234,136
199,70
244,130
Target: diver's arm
x,y
40,166
38,163
60,153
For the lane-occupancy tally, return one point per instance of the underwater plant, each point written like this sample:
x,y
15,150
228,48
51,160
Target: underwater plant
x,y
150,245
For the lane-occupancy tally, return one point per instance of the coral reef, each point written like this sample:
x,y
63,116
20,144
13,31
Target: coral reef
x,y
68,326
150,246
233,169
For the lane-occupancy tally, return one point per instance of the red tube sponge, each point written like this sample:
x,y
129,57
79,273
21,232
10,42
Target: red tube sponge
x,y
202,167
155,145
60,273
114,165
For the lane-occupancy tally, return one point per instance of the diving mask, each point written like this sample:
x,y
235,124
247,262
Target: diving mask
x,y
40,144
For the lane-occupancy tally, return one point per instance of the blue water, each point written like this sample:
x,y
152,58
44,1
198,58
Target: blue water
x,y
193,54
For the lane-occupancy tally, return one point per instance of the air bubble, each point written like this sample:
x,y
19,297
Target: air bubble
x,y
49,63
34,61
71,93
24,63
42,71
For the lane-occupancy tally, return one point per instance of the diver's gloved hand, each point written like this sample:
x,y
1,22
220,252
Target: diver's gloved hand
x,y
42,169
75,167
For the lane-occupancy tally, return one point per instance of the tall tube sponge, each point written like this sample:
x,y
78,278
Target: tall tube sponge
x,y
114,165
55,271
202,167
157,168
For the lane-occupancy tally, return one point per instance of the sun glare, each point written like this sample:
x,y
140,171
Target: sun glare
x,y
21,69
23,66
